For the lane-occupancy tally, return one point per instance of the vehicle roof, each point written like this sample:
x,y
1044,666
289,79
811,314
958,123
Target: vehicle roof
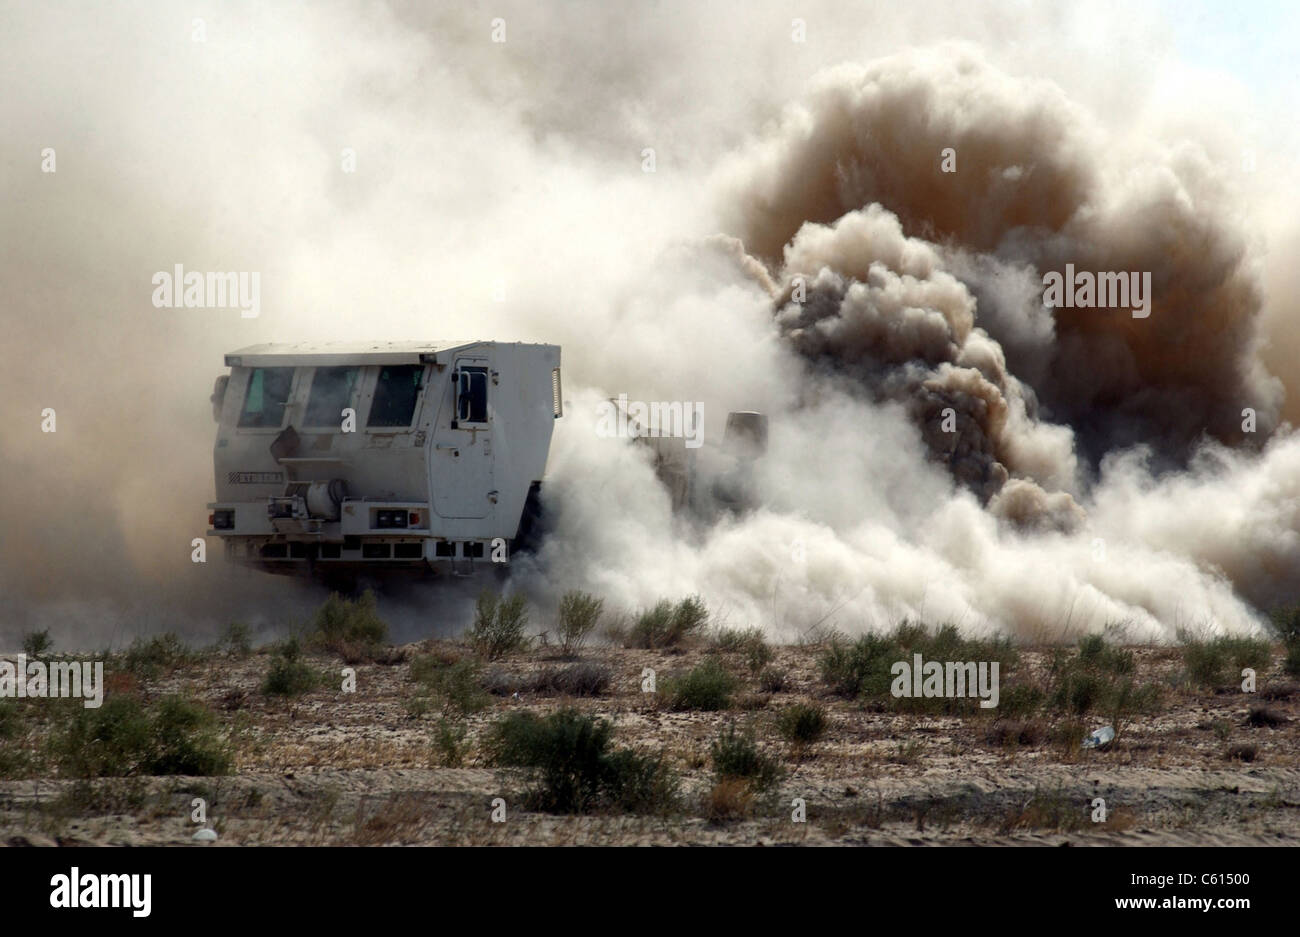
x,y
290,354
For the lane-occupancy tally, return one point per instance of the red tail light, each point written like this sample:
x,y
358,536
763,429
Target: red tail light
x,y
212,519
415,519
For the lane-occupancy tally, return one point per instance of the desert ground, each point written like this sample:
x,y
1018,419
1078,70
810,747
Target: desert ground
x,y
406,757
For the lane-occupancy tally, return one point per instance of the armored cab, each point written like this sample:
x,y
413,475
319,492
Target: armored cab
x,y
342,459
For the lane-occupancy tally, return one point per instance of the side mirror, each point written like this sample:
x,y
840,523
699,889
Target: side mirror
x,y
218,397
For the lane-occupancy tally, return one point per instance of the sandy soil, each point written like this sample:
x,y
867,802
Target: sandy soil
x,y
337,768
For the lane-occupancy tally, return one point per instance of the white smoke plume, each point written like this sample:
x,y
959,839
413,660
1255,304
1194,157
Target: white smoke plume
x,y
1099,473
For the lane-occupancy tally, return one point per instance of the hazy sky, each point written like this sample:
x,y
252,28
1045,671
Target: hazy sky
x,y
1253,41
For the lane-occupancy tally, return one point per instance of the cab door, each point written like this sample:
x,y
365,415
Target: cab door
x,y
463,482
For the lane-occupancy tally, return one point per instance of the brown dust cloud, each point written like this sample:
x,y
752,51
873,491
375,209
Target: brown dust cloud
x,y
798,249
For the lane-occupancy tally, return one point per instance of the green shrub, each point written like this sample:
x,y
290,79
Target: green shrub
x,y
289,674
572,768
15,760
1079,691
37,643
733,639
1286,623
736,755
707,687
910,634
425,667
861,668
237,640
1127,698
637,783
1099,678
125,737
749,642
578,617
947,644
1219,661
499,625
1019,700
772,680
449,742
1221,728
565,753
1068,734
110,741
11,719
350,627
1096,654
150,659
1291,662
651,626
1205,663
1246,652
801,723
667,624
456,685
185,741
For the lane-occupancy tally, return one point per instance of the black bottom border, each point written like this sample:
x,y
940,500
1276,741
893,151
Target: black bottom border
x,y
735,886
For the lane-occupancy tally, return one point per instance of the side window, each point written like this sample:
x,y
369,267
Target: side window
x,y
331,391
471,395
268,390
396,394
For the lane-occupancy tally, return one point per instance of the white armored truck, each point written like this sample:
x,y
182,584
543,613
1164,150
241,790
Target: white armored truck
x,y
360,459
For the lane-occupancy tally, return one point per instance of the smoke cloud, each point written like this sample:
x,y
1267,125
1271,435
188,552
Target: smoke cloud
x,y
798,250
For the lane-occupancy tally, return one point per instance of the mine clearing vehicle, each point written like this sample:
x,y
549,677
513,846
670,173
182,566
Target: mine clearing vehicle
x,y
334,460
360,463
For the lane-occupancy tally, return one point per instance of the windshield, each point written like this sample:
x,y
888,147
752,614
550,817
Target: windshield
x,y
396,393
331,391
268,389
